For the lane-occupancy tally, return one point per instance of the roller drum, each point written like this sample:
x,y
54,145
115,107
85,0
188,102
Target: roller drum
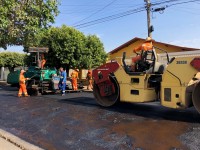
x,y
196,97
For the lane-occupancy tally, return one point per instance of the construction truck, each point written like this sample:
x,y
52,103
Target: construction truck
x,y
42,80
174,84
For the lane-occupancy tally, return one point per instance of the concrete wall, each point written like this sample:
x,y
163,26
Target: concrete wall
x,y
82,73
163,59
4,73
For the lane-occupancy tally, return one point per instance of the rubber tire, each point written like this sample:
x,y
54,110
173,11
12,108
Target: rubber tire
x,y
31,91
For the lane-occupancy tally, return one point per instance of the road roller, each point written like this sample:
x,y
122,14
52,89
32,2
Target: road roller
x,y
175,84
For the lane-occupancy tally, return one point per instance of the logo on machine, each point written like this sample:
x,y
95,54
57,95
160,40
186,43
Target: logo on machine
x,y
103,69
181,62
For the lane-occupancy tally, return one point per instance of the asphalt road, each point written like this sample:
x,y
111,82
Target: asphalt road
x,y
76,121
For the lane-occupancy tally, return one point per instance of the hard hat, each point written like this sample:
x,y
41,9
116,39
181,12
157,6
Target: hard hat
x,y
77,70
148,39
22,71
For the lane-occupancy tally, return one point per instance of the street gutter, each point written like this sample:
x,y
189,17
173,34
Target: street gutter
x,y
16,141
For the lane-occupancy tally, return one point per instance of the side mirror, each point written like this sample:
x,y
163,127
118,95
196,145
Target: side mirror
x,y
151,29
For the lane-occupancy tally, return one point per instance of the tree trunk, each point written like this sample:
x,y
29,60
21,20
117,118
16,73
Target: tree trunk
x,y
11,69
67,69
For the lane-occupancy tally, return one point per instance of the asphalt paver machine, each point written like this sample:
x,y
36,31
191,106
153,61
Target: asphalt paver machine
x,y
41,79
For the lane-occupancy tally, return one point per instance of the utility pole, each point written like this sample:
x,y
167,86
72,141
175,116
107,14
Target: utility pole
x,y
149,26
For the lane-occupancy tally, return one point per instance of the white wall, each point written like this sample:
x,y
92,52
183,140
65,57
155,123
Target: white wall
x,y
3,73
163,59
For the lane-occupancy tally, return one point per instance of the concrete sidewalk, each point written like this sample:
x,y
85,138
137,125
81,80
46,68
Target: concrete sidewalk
x,y
9,141
5,145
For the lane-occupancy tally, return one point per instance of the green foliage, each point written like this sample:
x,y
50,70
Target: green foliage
x,y
66,45
95,48
70,48
21,19
12,60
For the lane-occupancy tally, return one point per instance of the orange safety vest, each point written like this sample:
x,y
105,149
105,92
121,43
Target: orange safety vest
x,y
74,75
43,62
22,79
135,59
145,46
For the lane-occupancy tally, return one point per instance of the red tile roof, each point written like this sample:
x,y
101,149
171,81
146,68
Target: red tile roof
x,y
140,39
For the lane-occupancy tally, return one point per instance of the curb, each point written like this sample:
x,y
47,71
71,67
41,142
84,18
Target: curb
x,y
17,141
88,91
3,83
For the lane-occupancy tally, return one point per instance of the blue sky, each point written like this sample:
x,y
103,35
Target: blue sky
x,y
178,24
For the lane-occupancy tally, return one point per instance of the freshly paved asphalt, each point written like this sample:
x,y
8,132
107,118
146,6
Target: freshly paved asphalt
x,y
76,121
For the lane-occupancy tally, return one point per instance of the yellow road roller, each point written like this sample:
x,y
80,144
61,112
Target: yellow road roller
x,y
175,83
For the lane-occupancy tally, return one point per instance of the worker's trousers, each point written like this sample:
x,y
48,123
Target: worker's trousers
x,y
62,87
22,89
74,84
89,87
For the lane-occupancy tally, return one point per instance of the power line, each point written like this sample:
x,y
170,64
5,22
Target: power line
x,y
109,18
188,8
115,9
102,21
96,11
161,9
130,12
185,10
183,2
83,8
163,2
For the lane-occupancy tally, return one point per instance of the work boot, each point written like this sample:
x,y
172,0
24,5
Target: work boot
x,y
19,95
26,95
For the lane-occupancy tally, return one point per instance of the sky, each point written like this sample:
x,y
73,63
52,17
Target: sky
x,y
178,24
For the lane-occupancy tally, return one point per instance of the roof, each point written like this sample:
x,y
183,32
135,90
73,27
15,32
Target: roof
x,y
140,39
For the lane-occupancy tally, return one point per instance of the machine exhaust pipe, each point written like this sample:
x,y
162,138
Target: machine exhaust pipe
x,y
196,97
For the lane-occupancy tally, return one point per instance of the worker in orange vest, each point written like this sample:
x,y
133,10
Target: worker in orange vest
x,y
89,78
74,76
43,62
134,60
146,46
22,85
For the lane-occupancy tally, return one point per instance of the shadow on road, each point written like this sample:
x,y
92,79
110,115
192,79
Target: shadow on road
x,y
150,110
9,88
84,101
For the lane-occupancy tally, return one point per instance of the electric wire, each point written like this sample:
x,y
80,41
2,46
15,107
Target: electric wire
x,y
109,18
130,12
163,2
96,11
83,26
180,9
183,2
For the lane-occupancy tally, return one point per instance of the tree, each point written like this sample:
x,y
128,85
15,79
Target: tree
x,y
70,48
12,60
21,19
97,55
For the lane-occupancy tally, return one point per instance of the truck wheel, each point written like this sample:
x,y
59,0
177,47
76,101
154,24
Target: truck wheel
x,y
15,85
32,91
196,97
